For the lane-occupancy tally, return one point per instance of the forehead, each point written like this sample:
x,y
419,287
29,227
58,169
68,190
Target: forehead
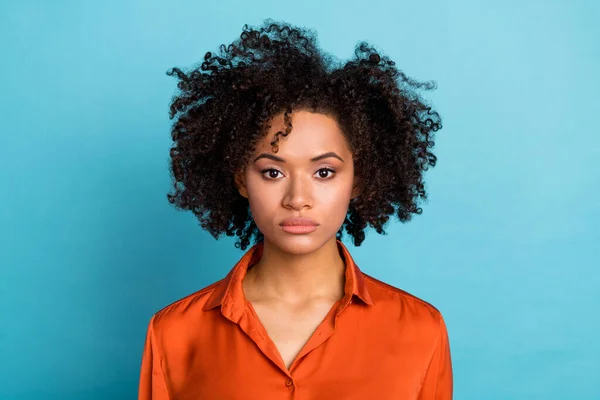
x,y
311,133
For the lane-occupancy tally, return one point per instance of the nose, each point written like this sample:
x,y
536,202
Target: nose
x,y
298,194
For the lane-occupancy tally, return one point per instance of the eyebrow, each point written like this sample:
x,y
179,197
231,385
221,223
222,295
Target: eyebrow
x,y
317,158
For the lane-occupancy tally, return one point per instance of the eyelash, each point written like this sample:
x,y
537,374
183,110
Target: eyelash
x,y
332,171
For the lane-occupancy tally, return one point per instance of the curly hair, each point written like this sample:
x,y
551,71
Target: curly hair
x,y
224,106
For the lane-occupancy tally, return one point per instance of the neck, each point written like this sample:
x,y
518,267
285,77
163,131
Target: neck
x,y
297,278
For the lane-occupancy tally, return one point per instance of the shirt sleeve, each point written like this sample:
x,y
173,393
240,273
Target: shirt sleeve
x,y
152,385
437,384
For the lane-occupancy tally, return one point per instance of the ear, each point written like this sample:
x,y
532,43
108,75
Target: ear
x,y
357,188
240,183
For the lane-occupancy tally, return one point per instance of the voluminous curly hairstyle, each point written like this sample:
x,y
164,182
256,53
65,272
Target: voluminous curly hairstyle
x,y
224,106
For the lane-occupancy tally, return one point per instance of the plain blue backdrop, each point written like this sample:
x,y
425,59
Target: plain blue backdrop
x,y
507,246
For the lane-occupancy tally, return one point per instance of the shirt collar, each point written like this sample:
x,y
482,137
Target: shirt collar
x,y
228,293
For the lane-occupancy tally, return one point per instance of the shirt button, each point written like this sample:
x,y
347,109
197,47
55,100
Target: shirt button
x,y
289,382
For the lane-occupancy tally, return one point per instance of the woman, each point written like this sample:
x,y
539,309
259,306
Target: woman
x,y
274,142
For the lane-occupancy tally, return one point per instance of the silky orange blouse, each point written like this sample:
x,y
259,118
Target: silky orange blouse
x,y
377,342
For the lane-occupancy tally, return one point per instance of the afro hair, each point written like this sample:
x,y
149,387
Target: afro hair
x,y
224,105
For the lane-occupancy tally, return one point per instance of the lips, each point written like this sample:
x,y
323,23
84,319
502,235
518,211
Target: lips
x,y
298,221
298,225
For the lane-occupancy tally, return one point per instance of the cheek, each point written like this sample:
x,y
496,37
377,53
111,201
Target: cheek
x,y
335,198
261,197
260,200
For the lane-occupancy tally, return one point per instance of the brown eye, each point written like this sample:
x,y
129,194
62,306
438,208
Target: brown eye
x,y
325,173
271,173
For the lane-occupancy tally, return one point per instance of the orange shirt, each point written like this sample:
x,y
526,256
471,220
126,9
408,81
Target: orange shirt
x,y
377,342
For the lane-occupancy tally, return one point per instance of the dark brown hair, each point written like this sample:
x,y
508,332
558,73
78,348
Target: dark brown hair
x,y
224,105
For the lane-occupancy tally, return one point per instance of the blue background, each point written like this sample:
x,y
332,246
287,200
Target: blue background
x,y
506,247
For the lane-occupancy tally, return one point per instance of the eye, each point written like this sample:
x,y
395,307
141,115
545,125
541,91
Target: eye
x,y
270,173
325,173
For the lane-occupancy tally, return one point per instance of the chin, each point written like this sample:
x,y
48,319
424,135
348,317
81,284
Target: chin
x,y
297,244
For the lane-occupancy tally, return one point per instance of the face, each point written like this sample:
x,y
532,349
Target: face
x,y
311,176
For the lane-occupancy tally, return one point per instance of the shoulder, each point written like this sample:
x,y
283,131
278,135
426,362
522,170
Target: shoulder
x,y
399,305
184,310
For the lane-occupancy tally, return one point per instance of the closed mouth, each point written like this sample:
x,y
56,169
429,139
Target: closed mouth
x,y
299,222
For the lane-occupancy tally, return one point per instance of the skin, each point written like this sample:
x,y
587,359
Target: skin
x,y
299,277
